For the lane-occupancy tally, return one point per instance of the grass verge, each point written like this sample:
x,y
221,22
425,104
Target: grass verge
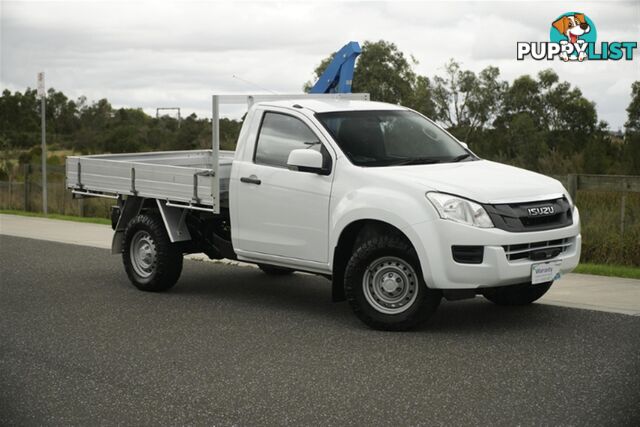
x,y
609,270
57,216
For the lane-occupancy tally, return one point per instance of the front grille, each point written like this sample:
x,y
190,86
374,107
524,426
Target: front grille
x,y
515,217
540,220
537,251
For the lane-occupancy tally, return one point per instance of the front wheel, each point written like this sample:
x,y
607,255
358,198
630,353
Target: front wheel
x,y
384,285
151,261
523,294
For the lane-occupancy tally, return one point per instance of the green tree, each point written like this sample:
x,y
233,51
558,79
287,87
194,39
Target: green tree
x,y
20,118
229,132
422,97
633,110
597,151
466,102
122,139
560,114
189,133
384,72
526,141
631,148
524,96
62,116
95,127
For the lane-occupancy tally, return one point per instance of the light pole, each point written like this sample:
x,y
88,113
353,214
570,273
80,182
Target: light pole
x,y
42,95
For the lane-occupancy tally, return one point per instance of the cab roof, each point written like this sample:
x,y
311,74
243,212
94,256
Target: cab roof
x,y
330,105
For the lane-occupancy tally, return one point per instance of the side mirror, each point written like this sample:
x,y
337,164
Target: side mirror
x,y
464,144
306,160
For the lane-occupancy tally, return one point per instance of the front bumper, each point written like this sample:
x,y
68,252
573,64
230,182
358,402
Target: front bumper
x,y
433,241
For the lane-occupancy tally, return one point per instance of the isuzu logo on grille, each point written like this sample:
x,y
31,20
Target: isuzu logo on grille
x,y
541,210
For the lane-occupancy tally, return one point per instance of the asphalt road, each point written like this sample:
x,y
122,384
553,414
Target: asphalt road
x,y
232,346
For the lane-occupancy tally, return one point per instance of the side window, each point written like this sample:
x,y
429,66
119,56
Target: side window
x,y
279,135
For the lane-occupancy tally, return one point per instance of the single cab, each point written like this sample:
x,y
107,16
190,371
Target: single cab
x,y
378,198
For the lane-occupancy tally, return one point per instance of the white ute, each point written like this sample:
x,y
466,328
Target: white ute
x,y
376,197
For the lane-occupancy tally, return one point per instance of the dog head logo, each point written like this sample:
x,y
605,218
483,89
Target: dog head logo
x,y
572,26
575,29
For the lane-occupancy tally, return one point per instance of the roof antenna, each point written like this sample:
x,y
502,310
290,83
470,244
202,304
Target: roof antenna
x,y
253,84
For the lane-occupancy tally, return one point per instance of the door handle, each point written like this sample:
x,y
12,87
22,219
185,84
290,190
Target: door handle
x,y
250,180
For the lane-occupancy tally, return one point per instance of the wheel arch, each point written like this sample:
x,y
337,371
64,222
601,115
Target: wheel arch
x,y
172,218
349,236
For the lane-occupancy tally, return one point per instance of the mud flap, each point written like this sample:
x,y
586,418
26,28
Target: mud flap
x,y
130,210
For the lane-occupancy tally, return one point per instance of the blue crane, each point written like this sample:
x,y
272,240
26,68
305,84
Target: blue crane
x,y
338,76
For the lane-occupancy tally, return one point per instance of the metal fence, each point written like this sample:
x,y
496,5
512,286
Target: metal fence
x,y
622,184
24,192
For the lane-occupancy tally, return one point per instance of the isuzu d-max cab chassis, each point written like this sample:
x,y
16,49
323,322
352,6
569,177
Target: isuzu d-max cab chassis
x,y
376,197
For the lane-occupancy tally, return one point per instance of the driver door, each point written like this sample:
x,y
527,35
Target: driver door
x,y
282,212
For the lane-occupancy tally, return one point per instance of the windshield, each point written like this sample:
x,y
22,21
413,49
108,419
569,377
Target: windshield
x,y
392,137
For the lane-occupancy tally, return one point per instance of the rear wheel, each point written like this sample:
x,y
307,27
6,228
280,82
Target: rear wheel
x,y
523,294
384,285
151,261
273,270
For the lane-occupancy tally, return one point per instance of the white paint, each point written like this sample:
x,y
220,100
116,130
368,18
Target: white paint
x,y
295,219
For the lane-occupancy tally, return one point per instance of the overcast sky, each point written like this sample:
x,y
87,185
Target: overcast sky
x,y
160,54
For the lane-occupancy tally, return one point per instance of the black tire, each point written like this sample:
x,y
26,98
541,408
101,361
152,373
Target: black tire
x,y
372,261
523,294
161,266
273,270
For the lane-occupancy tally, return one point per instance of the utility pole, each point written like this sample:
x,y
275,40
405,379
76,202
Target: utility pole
x,y
42,95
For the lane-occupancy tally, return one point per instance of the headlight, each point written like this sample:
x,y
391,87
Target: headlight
x,y
570,200
460,210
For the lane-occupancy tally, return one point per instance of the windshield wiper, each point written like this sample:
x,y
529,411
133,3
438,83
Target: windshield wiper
x,y
415,161
460,157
